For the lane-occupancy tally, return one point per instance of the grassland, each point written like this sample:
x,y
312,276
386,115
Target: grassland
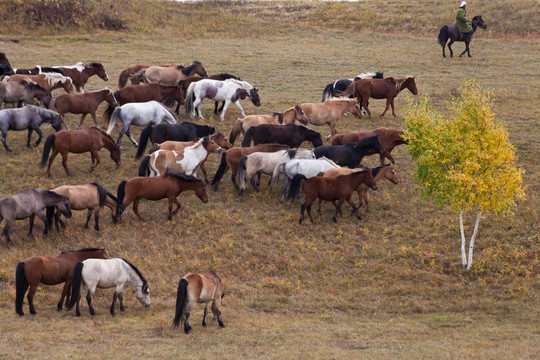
x,y
390,286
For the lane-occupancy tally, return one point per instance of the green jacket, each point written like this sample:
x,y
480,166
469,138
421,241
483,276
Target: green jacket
x,y
462,22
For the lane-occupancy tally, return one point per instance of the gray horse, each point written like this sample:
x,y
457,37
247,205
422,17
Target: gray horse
x,y
29,117
30,203
19,91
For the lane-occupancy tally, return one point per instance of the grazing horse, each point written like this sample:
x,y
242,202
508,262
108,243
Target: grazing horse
x,y
230,91
350,154
48,81
38,70
92,197
107,273
387,88
84,104
186,131
169,75
29,117
147,92
389,139
22,90
78,141
140,114
330,111
198,288
241,125
28,204
452,32
337,190
81,72
291,135
185,162
335,88
49,270
155,188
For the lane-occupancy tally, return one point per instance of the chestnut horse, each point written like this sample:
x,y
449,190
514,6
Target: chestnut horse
x,y
330,111
198,288
387,88
84,104
288,116
388,137
169,75
81,72
49,270
168,186
78,141
48,81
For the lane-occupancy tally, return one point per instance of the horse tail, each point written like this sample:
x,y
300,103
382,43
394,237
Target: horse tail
x,y
120,195
181,296
327,92
294,189
75,285
443,35
277,170
102,194
123,78
20,288
221,169
108,113
112,114
235,130
248,136
143,141
240,175
144,167
190,98
47,149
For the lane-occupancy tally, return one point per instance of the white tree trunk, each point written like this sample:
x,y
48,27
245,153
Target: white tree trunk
x,y
468,262
463,253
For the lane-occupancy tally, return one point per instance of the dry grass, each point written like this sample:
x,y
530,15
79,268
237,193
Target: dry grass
x,y
390,286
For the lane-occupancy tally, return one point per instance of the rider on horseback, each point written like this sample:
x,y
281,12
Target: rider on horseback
x,y
462,22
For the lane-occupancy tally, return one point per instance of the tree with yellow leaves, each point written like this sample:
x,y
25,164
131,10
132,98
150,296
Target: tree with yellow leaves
x,y
464,161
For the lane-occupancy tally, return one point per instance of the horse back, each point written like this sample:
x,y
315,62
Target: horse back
x,y
49,270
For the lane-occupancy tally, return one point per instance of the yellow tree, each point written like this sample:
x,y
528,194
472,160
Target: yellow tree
x,y
464,161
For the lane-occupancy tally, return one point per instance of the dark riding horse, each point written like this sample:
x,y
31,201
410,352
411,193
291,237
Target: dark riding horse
x,y
452,32
350,154
291,135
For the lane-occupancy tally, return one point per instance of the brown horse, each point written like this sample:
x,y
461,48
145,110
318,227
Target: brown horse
x,y
147,92
23,90
49,270
89,196
155,188
48,81
198,288
288,116
231,158
389,139
330,111
387,88
81,72
170,75
78,141
84,104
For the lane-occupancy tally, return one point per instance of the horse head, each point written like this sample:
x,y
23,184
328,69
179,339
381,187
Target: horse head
x,y
99,70
410,84
478,21
220,139
254,96
64,207
354,108
110,98
201,192
210,145
300,115
143,293
57,122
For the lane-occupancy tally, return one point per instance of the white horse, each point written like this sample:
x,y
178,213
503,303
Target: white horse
x,y
115,272
306,167
265,163
230,91
140,114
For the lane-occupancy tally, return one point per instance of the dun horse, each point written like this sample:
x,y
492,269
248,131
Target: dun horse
x,y
452,32
81,72
330,111
169,75
23,91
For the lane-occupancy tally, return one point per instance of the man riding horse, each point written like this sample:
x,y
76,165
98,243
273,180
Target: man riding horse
x,y
462,22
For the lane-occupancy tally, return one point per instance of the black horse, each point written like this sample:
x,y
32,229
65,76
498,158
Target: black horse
x,y
185,131
350,154
5,70
291,134
38,70
452,32
334,89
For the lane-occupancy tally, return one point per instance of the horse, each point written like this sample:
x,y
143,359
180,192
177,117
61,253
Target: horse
x,y
17,92
452,32
230,91
350,154
84,104
186,131
28,204
231,158
291,135
387,88
184,162
78,141
81,72
140,114
389,139
306,167
330,111
48,81
88,196
198,288
128,74
49,270
107,273
337,190
382,171
265,163
29,117
169,75
5,70
38,70
335,88
289,116
169,186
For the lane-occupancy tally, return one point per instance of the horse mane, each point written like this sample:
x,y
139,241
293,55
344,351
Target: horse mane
x,y
53,78
82,250
215,274
187,69
279,117
226,76
92,65
184,177
107,135
30,85
136,270
243,84
292,153
329,160
53,194
376,170
197,144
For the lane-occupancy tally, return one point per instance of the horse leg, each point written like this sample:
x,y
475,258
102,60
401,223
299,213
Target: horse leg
x,y
93,114
338,210
216,310
65,295
45,222
450,47
51,159
29,137
237,103
121,300
302,207
365,105
115,296
4,134
31,224
284,187
393,109
205,305
355,209
128,132
388,101
466,50
169,215
96,220
178,205
136,208
82,119
30,298
189,307
89,301
95,160
64,163
88,216
226,106
6,233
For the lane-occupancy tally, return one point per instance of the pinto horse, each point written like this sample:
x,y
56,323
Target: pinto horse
x,y
330,111
452,32
78,141
49,270
23,90
169,75
289,116
335,88
155,188
350,154
198,288
81,72
387,88
38,70
291,135
48,81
